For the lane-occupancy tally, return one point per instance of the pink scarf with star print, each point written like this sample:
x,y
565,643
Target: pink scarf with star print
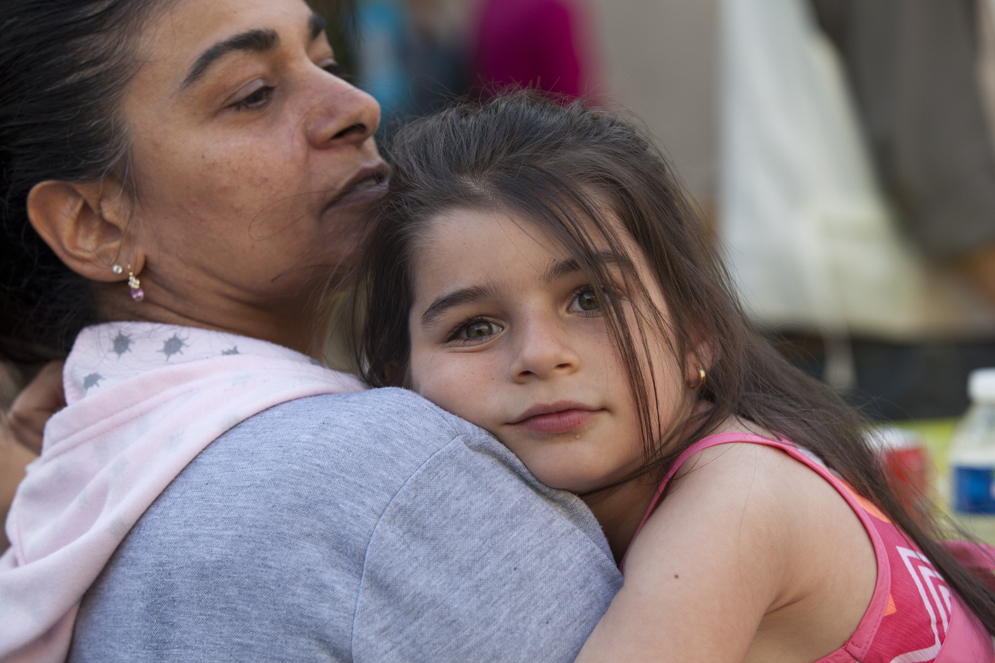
x,y
143,400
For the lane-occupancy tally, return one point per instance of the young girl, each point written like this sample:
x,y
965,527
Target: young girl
x,y
536,270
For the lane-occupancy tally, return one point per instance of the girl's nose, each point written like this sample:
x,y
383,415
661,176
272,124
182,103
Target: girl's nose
x,y
342,115
544,351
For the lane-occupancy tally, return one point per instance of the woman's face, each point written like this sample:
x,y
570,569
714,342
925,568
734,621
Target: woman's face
x,y
252,161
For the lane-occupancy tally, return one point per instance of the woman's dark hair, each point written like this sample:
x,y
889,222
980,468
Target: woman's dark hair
x,y
64,66
570,171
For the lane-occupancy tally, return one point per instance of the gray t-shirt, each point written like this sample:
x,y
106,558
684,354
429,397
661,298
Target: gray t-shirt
x,y
370,526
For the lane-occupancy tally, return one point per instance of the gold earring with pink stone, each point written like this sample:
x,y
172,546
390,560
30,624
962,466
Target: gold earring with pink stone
x,y
137,293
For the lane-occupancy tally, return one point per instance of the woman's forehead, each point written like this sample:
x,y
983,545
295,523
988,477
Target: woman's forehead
x,y
179,40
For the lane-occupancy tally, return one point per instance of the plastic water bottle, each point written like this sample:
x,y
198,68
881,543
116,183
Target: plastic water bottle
x,y
972,449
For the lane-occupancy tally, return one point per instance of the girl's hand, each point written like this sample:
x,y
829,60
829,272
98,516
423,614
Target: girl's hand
x,y
14,458
35,405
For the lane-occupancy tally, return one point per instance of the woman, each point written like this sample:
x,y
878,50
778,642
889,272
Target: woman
x,y
188,173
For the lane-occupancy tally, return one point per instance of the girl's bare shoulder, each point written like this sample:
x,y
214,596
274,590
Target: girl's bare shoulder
x,y
776,531
774,496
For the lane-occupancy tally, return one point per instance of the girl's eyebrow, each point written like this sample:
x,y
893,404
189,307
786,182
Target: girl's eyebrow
x,y
476,293
606,258
455,298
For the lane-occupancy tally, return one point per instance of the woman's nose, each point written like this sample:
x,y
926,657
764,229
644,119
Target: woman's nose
x,y
342,115
543,352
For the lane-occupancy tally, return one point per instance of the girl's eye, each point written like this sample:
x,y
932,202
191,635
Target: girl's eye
x,y
481,329
586,301
475,330
258,99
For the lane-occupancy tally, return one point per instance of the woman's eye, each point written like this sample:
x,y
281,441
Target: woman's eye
x,y
256,100
586,301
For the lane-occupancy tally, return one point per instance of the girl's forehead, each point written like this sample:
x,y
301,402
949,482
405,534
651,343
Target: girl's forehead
x,y
501,250
502,235
466,238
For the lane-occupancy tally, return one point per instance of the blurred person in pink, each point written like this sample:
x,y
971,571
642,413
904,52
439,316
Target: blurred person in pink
x,y
545,44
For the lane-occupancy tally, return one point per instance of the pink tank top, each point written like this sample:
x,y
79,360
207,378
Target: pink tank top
x,y
913,616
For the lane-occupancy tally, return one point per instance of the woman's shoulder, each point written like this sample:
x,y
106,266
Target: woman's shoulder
x,y
376,411
389,434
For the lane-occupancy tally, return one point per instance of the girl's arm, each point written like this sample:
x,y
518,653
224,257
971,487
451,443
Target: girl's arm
x,y
732,542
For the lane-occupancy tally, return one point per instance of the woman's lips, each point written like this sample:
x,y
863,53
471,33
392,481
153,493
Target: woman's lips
x,y
553,420
368,185
367,192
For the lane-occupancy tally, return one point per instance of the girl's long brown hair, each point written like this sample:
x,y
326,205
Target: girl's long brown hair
x,y
570,171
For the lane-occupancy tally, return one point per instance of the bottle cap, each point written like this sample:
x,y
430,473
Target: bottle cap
x,y
981,385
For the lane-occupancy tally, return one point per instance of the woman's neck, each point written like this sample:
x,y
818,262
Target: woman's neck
x,y
289,325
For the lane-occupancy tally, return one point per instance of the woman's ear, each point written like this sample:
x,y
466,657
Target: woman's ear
x,y
85,225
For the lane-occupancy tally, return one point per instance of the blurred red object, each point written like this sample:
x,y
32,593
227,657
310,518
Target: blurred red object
x,y
906,461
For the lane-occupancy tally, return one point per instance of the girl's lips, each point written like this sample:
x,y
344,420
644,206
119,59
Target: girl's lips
x,y
553,423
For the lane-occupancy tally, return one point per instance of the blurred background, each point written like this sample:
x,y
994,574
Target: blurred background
x,y
841,151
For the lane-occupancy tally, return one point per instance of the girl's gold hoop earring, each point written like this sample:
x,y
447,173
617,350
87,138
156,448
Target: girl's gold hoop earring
x,y
701,379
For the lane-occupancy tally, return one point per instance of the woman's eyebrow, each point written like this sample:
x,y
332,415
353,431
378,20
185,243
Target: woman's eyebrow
x,y
455,298
252,40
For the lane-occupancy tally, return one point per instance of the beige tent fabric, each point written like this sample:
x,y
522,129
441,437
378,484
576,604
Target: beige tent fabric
x,y
810,236
986,61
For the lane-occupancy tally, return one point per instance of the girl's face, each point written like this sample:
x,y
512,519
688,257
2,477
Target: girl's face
x,y
507,333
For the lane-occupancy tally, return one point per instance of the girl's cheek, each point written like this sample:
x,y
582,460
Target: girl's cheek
x,y
416,377
429,381
455,386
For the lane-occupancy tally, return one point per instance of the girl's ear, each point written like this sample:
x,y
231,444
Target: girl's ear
x,y
86,226
699,360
